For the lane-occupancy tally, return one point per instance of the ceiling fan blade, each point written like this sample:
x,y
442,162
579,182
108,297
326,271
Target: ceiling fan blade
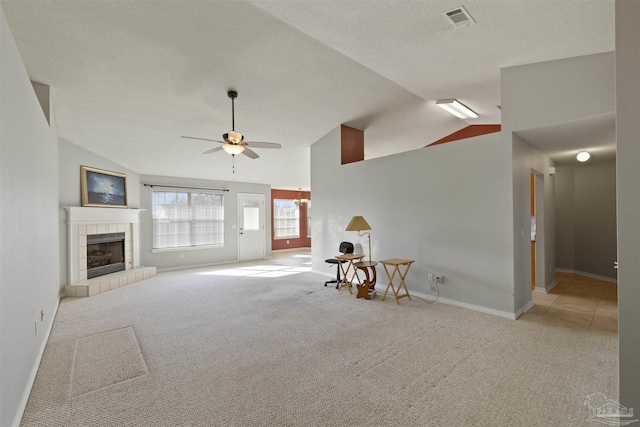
x,y
256,144
250,153
203,139
213,150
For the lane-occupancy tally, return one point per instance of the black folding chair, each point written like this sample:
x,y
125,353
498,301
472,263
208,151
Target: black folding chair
x,y
345,248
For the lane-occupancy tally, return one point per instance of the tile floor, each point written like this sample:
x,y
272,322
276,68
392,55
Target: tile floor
x,y
581,300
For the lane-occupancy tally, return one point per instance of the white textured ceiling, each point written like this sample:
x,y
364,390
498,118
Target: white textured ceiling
x,y
128,78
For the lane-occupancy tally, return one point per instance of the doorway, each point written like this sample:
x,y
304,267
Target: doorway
x,y
251,229
538,273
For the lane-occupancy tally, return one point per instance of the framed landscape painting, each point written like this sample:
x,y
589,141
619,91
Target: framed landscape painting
x,y
102,188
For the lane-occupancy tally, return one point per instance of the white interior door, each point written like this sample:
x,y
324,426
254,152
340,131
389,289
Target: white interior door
x,y
251,227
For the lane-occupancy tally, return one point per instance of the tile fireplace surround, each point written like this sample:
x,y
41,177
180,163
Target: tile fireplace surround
x,y
86,221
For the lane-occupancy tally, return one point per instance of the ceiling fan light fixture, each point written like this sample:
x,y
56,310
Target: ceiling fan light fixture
x,y
583,156
233,149
235,137
457,108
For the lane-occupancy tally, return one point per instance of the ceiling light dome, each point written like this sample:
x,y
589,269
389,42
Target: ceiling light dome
x,y
583,156
233,149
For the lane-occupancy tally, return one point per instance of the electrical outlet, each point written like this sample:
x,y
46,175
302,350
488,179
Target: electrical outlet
x,y
440,279
430,277
287,242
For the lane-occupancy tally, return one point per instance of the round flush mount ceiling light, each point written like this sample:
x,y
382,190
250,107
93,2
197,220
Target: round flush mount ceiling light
x,y
583,156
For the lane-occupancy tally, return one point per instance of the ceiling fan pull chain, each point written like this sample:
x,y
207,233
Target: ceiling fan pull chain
x,y
233,160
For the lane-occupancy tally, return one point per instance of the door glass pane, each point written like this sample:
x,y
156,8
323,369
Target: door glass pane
x,y
251,215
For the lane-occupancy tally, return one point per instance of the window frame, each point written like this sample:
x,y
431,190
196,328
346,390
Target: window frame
x,y
190,221
276,218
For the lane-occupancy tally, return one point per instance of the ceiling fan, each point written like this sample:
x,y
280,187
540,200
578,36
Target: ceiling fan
x,y
234,142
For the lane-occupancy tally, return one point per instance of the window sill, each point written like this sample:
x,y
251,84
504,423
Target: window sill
x,y
286,237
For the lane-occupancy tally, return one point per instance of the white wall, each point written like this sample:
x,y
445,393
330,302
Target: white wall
x,y
554,92
28,230
447,207
196,257
628,177
70,158
586,210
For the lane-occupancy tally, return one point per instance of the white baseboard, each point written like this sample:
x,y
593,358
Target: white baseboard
x,y
590,275
547,288
473,307
34,370
298,249
522,310
188,267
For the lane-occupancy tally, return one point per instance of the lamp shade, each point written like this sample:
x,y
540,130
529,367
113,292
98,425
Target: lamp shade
x,y
233,149
357,223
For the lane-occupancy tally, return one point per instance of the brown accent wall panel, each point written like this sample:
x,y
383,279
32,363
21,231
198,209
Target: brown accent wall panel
x,y
352,145
468,132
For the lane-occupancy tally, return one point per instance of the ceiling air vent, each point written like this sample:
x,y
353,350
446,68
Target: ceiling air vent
x,y
459,17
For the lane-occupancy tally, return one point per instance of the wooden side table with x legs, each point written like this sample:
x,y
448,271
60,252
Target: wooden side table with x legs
x,y
346,280
396,263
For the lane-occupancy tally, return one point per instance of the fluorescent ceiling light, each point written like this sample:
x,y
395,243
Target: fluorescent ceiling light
x,y
583,156
456,108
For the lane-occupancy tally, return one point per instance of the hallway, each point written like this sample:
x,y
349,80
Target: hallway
x,y
581,300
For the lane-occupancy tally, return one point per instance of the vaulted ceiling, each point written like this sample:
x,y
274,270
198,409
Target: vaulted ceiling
x,y
129,78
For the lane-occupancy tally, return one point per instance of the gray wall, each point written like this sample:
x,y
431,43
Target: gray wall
x,y
586,205
565,218
170,259
628,171
70,158
527,160
447,207
541,95
28,229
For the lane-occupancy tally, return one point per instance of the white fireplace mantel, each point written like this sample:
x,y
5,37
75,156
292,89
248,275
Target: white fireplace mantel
x,y
80,217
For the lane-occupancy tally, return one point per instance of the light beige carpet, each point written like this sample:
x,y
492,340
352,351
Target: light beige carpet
x,y
104,359
236,346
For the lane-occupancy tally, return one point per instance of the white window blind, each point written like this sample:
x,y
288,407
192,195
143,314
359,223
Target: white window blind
x,y
184,218
286,219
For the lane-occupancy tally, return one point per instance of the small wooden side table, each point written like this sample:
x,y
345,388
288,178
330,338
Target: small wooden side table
x,y
350,258
367,289
396,263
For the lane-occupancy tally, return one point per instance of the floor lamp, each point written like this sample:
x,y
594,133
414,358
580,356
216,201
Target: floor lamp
x,y
358,224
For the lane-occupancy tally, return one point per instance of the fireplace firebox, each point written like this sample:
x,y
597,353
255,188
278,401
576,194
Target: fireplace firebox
x,y
105,254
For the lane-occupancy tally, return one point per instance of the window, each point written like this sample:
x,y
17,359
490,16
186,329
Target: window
x,y
286,219
182,218
309,218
